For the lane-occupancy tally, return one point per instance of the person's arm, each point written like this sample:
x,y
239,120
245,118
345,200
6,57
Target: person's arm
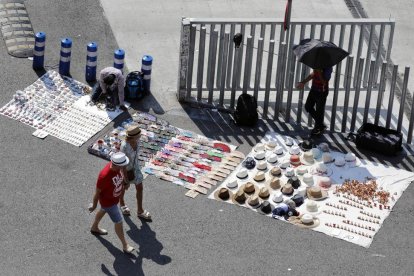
x,y
95,200
301,84
121,87
101,82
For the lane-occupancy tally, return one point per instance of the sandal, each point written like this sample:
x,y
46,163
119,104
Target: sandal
x,y
125,210
128,250
145,215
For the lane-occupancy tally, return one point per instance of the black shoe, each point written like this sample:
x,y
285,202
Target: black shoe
x,y
315,131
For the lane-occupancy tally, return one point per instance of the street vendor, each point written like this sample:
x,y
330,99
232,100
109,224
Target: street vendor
x,y
111,84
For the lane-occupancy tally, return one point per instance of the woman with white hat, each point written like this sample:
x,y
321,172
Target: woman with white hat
x,y
131,147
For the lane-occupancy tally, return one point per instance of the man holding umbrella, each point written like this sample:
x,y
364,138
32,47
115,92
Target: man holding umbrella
x,y
321,56
315,103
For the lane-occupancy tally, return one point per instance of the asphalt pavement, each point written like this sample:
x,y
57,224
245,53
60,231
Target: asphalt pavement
x,y
46,185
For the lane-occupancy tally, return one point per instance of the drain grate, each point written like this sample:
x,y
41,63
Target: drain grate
x,y
16,28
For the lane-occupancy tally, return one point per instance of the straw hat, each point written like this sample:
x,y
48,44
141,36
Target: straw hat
x,y
276,171
259,147
272,158
260,176
133,131
264,193
327,158
287,189
232,184
307,158
262,165
315,193
274,183
305,221
239,197
279,150
249,188
324,182
271,144
260,155
242,173
223,194
253,202
278,197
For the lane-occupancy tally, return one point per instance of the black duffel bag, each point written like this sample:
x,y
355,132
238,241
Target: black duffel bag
x,y
378,139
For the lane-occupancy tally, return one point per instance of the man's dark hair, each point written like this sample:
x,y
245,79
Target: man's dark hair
x,y
109,80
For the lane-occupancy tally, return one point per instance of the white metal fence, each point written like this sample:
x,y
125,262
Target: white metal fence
x,y
213,72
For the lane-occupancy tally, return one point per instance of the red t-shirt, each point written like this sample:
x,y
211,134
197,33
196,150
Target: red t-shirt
x,y
111,185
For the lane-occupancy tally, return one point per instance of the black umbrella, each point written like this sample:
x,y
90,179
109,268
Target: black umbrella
x,y
319,54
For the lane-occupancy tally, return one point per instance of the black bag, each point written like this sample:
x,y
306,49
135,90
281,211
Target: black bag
x,y
246,111
378,139
131,175
134,86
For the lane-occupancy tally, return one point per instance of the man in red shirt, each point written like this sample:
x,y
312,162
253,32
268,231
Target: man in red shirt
x,y
109,187
315,103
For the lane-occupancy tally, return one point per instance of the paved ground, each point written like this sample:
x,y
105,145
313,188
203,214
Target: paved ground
x,y
46,185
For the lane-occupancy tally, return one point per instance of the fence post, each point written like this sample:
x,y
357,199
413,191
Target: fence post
x,y
183,59
369,90
268,78
357,91
348,80
39,51
65,53
403,96
381,89
391,99
91,61
223,71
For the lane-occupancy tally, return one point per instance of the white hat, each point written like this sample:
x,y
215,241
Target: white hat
x,y
324,147
232,184
278,197
301,170
301,190
272,158
119,159
327,158
316,153
285,164
325,182
259,147
260,176
278,150
350,157
294,150
311,206
340,161
289,172
321,168
289,141
308,179
307,158
242,173
262,165
271,144
260,155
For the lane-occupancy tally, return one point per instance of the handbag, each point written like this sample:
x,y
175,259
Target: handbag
x,y
131,173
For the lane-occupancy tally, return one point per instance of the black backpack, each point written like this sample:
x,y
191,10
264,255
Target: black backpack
x,y
134,86
246,111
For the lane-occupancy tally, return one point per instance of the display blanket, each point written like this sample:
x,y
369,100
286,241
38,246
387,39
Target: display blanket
x,y
59,105
172,154
338,194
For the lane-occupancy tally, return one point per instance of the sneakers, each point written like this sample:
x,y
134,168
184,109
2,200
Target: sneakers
x,y
318,130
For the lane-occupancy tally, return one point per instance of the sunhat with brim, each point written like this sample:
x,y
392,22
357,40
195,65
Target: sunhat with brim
x,y
242,173
306,145
262,165
301,170
265,208
321,170
312,206
316,193
276,171
249,188
324,182
289,142
253,202
294,181
233,184
223,194
271,144
307,178
351,160
260,176
289,172
287,189
294,160
327,158
277,197
340,161
307,158
279,150
259,147
264,193
119,159
284,164
305,221
274,183
272,158
239,197
260,155
294,150
133,131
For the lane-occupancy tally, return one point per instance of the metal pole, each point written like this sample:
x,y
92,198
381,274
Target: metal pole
x,y
234,76
200,69
212,65
223,72
391,99
381,90
369,49
230,58
369,89
403,96
259,59
268,77
348,75
193,33
290,89
219,65
248,64
280,83
357,91
335,96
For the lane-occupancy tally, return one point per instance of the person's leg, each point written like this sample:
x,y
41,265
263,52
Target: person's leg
x,y
139,187
119,230
124,208
320,110
115,214
98,217
96,92
310,103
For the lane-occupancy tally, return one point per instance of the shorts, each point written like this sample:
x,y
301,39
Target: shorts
x,y
114,213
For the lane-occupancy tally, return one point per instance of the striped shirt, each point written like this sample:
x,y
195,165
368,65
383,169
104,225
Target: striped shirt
x,y
119,81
